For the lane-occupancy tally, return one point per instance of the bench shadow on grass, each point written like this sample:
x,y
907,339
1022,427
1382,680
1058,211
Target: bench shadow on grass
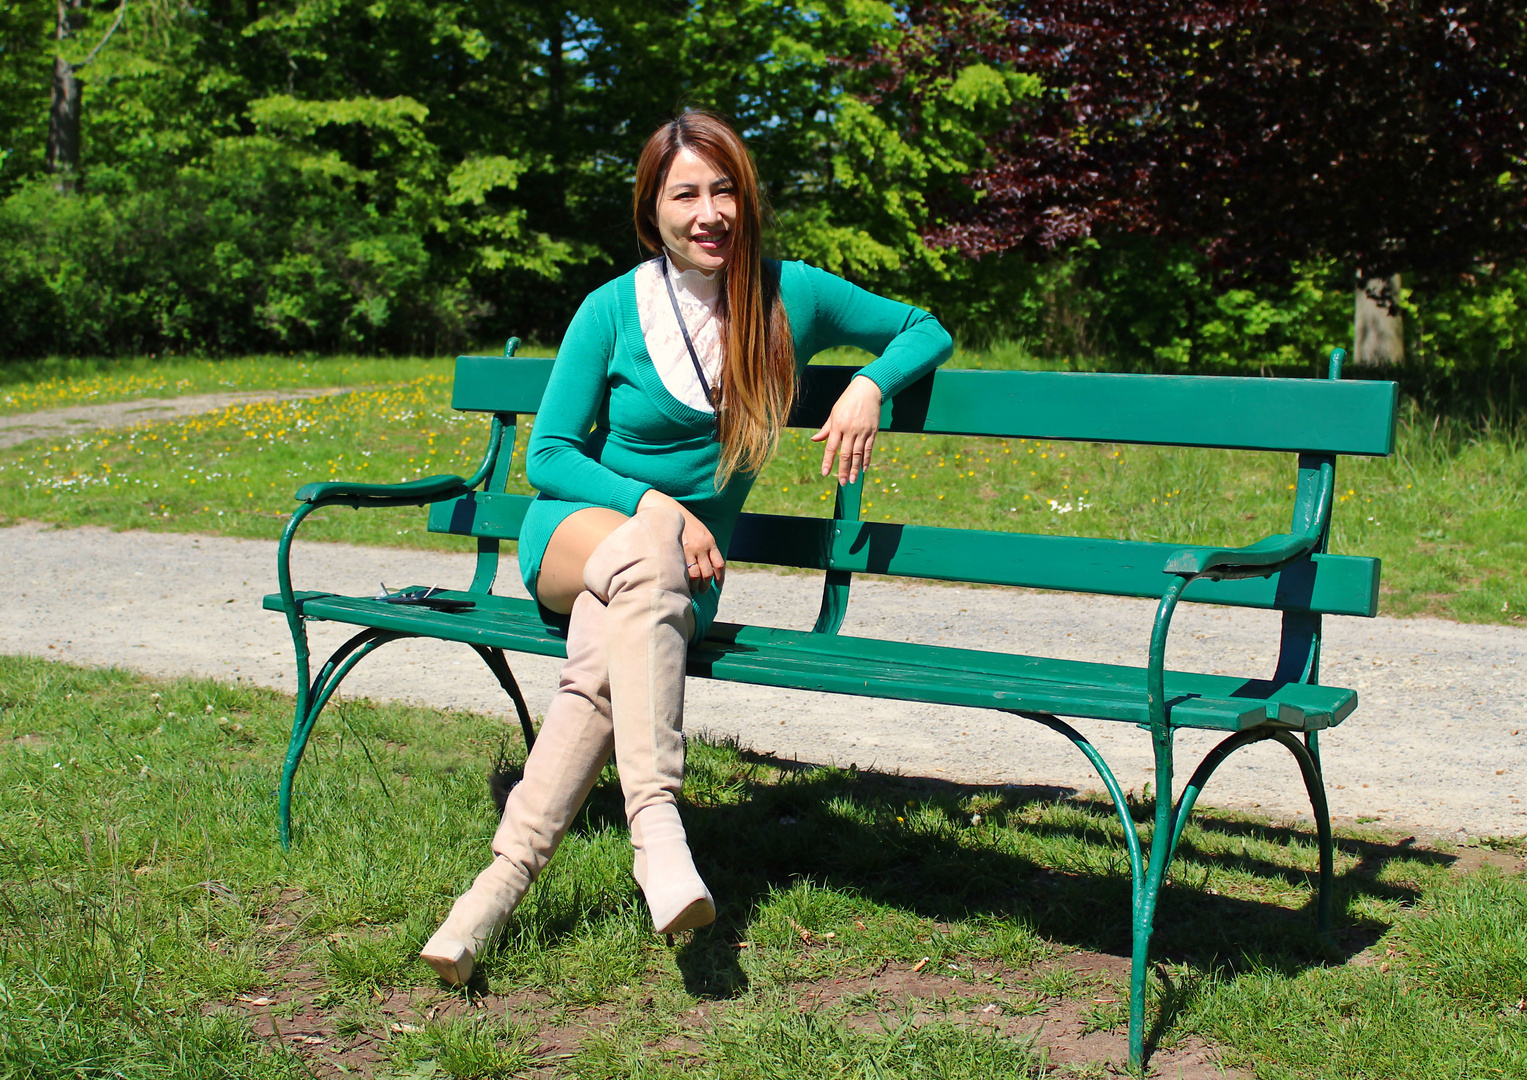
x,y
839,830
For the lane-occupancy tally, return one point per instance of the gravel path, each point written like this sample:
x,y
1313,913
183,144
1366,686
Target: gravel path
x,y
22,427
1438,745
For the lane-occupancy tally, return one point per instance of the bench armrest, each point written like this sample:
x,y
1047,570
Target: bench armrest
x,y
1266,556
346,493
411,493
1262,559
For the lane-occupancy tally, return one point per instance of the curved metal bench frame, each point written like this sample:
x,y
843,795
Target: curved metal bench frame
x,y
840,551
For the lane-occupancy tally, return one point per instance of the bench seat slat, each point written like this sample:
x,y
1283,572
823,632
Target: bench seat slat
x,y
1331,584
897,670
1333,703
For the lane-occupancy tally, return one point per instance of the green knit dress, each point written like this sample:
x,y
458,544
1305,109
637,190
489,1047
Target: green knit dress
x,y
609,430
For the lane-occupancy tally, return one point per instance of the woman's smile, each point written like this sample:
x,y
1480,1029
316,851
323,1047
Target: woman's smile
x,y
695,213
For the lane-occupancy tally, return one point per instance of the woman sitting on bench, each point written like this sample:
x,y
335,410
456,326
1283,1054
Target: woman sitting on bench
x,y
667,398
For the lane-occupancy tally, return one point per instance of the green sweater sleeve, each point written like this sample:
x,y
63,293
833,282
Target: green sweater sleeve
x,y
557,461
907,341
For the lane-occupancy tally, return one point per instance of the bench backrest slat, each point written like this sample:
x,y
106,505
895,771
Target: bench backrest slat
x,y
1312,415
500,384
1331,584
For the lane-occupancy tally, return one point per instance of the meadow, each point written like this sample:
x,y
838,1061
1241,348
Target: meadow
x,y
1447,512
871,925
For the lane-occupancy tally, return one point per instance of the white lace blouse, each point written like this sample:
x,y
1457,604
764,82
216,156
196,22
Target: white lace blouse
x,y
699,297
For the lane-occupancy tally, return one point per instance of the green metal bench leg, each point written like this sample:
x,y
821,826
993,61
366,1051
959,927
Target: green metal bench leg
x,y
1145,882
497,664
1147,878
1145,907
1116,793
1205,770
1314,783
311,701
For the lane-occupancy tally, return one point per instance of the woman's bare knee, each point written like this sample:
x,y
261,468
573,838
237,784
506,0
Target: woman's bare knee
x,y
561,577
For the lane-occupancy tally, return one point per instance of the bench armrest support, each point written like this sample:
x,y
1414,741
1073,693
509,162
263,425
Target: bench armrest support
x,y
431,489
1268,555
409,493
1262,559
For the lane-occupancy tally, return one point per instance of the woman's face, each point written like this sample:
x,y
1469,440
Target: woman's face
x,y
696,210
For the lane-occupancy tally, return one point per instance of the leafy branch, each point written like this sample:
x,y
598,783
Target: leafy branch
x,y
121,11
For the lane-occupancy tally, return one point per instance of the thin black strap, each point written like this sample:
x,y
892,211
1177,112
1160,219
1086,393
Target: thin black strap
x,y
690,345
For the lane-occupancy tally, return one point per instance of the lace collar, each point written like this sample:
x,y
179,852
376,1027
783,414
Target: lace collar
x,y
695,284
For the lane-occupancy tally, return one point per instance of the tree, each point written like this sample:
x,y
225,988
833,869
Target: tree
x,y
318,174
1388,136
64,110
23,95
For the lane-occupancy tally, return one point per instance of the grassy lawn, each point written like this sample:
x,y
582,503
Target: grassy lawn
x,y
1447,513
144,378
871,925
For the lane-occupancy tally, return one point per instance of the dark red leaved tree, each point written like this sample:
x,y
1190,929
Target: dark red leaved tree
x,y
1388,135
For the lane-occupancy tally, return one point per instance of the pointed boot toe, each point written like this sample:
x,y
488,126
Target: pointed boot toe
x,y
475,917
676,894
451,959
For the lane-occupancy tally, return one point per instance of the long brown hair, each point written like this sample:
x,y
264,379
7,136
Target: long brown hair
x,y
757,351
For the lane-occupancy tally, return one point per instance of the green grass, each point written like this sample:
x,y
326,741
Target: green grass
x,y
1447,513
57,383
153,927
66,386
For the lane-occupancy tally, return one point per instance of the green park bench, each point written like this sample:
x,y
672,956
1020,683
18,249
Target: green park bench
x,y
1292,572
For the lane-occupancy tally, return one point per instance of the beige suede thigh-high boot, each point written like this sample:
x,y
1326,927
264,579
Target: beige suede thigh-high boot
x,y
571,748
639,572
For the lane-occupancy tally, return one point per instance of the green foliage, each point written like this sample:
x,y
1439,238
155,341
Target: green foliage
x,y
251,250
23,83
340,175
332,175
325,174
1136,304
1154,307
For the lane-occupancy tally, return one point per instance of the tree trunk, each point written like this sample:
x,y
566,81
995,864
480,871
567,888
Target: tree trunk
x,y
63,159
556,45
1378,330
64,126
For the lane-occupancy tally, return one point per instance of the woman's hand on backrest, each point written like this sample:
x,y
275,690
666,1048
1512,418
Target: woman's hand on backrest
x,y
851,429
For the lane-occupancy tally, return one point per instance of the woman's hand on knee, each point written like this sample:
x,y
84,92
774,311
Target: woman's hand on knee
x,y
851,429
702,556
